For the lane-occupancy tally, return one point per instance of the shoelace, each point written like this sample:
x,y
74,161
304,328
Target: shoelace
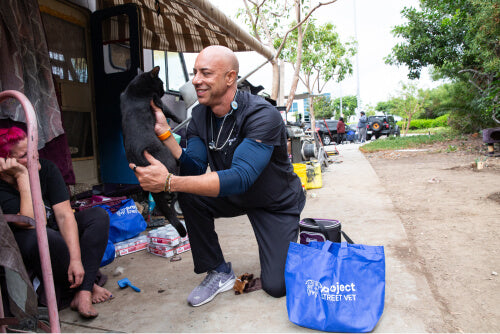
x,y
210,279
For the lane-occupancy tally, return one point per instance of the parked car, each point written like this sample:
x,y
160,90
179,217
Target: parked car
x,y
327,130
382,125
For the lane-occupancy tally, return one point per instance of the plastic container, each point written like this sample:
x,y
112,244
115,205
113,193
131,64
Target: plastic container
x,y
300,170
313,172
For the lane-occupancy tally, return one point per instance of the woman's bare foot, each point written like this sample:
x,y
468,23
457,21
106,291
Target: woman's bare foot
x,y
100,294
82,302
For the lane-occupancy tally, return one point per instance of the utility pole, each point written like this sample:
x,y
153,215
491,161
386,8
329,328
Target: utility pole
x,y
358,97
340,86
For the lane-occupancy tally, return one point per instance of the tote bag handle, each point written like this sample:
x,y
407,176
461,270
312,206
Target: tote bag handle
x,y
327,244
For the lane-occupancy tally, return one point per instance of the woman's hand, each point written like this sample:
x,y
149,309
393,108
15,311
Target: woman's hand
x,y
161,125
75,273
11,170
153,177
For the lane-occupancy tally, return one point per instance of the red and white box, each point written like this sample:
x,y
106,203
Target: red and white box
x,y
164,241
165,235
161,250
182,248
131,245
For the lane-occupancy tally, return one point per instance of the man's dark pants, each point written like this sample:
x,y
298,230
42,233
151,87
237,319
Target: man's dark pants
x,y
273,231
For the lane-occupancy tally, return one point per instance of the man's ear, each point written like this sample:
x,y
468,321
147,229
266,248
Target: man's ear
x,y
231,77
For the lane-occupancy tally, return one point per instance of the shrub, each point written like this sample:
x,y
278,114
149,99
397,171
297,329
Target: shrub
x,y
415,124
441,121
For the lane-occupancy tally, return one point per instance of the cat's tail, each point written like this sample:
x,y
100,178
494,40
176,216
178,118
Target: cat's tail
x,y
164,203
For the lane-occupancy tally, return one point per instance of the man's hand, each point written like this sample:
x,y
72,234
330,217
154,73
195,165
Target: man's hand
x,y
152,178
75,273
161,125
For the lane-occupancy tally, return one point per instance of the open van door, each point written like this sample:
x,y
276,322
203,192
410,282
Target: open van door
x,y
117,54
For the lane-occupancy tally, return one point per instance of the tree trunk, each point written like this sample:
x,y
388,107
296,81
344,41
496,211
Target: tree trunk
x,y
298,62
276,80
410,115
408,125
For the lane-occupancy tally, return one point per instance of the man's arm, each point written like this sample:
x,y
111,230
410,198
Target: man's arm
x,y
249,160
153,178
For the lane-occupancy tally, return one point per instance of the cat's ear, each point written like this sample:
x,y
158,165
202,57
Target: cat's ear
x,y
139,71
154,72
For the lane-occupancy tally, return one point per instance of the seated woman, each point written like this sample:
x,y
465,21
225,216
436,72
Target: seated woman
x,y
76,241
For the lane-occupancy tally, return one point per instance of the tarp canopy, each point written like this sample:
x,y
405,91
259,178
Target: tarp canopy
x,y
189,26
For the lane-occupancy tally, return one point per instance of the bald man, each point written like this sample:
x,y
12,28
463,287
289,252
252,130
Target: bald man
x,y
243,139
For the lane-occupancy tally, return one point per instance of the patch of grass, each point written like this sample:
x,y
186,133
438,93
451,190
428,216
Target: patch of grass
x,y
427,131
451,148
401,143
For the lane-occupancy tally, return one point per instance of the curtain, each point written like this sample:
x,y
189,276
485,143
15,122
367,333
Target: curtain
x,y
25,67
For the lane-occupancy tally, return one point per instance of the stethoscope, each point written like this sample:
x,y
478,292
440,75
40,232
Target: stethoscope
x,y
212,145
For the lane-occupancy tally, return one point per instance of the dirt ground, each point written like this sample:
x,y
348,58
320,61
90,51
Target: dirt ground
x,y
451,214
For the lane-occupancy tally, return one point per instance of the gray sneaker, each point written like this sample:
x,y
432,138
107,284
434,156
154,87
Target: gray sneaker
x,y
213,284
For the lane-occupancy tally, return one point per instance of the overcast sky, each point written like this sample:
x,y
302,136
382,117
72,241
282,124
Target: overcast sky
x,y
375,20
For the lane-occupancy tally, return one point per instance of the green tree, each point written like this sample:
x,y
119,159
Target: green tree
x,y
267,18
323,107
349,105
459,39
323,57
440,101
409,102
387,107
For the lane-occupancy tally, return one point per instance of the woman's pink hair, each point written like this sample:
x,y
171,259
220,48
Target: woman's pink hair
x,y
8,138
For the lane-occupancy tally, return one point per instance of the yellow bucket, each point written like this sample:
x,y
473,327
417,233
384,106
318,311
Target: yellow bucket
x,y
313,175
300,170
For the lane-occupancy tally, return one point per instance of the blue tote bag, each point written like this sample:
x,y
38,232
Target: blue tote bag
x,y
335,287
125,222
109,254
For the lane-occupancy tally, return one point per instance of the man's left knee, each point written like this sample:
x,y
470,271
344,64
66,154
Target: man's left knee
x,y
275,289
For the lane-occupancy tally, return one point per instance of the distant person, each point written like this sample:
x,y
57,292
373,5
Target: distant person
x,y
340,130
362,127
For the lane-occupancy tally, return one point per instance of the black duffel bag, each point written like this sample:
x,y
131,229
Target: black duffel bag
x,y
319,229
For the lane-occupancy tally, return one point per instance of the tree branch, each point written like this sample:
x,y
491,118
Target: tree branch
x,y
302,80
254,22
299,24
283,12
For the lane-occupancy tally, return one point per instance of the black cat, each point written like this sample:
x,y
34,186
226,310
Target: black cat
x,y
138,123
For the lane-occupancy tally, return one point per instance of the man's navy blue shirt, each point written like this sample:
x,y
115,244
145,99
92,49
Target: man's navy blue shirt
x,y
253,163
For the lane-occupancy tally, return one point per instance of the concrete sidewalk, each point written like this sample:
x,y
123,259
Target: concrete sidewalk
x,y
351,193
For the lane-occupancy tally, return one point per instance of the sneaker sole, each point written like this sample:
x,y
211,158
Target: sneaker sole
x,y
226,287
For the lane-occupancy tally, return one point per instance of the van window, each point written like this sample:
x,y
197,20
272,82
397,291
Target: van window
x,y
172,69
67,49
68,55
116,44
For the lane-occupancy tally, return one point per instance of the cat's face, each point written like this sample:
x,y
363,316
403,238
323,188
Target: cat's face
x,y
149,81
